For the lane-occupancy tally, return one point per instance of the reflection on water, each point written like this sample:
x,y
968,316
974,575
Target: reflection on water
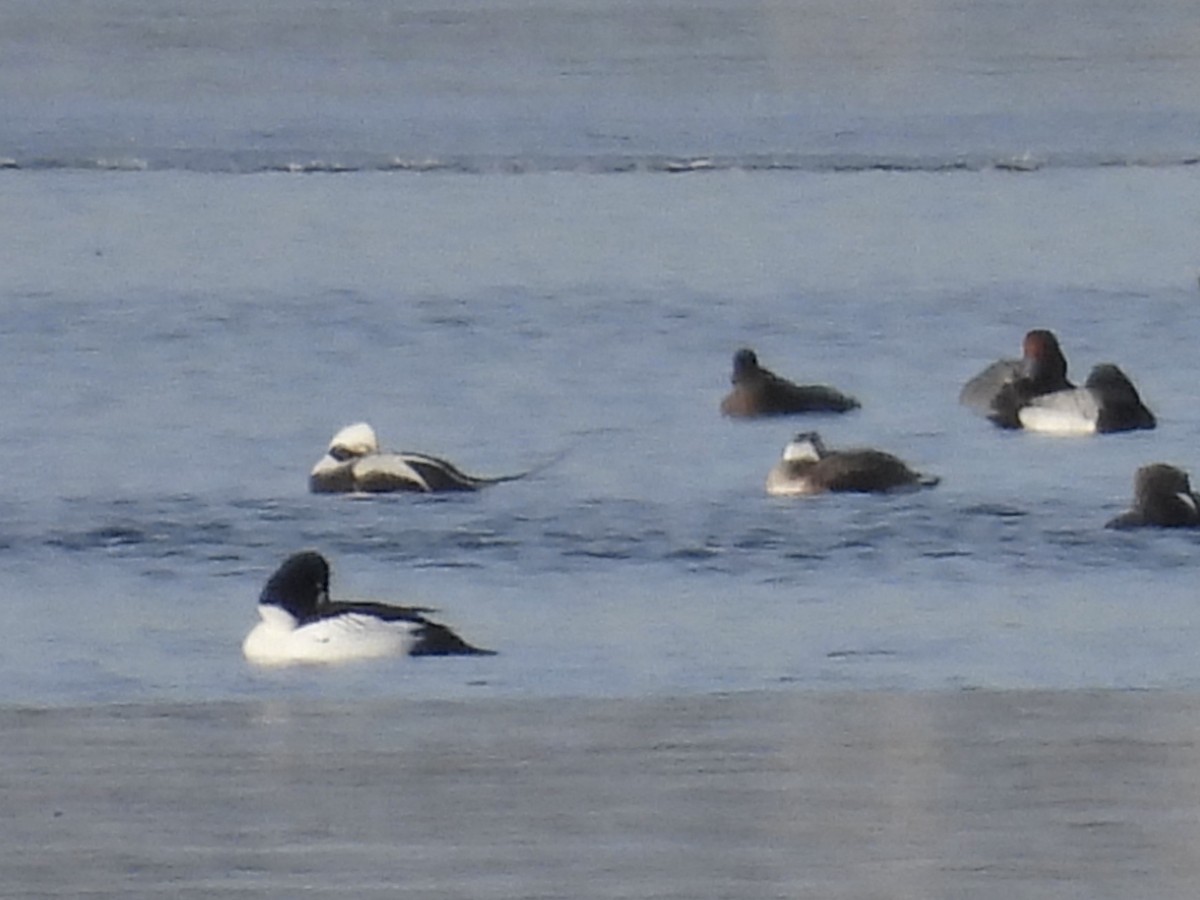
x,y
975,794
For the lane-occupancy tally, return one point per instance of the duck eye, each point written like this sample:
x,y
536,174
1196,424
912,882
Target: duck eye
x,y
340,453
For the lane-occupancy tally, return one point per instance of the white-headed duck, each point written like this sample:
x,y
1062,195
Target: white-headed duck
x,y
355,464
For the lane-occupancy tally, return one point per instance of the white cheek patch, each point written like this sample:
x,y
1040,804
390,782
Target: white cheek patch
x,y
1189,501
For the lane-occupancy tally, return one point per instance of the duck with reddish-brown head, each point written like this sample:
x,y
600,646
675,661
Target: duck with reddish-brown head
x,y
1034,393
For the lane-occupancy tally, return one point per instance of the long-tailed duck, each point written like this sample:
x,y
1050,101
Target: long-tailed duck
x,y
300,624
355,464
760,392
807,467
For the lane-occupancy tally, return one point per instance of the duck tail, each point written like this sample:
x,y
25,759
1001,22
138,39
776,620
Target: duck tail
x,y
537,469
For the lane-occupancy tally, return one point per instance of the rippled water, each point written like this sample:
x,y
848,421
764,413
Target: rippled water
x,y
532,234
223,247
183,365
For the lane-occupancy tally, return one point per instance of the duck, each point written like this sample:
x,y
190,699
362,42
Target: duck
x,y
1034,393
808,467
760,392
1108,402
1000,390
1162,497
353,463
300,624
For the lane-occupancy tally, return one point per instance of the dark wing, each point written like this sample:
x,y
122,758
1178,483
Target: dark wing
x,y
766,394
438,640
799,398
1130,519
1172,511
865,471
1178,513
1161,507
440,475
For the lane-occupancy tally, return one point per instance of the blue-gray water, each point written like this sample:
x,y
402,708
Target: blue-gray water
x,y
504,232
181,346
882,197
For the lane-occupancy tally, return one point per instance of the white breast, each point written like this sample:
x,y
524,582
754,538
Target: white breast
x,y
1062,412
277,641
781,482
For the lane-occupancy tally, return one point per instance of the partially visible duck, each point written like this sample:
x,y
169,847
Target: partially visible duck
x,y
1000,390
1107,402
808,467
1163,497
354,464
1033,393
760,392
300,624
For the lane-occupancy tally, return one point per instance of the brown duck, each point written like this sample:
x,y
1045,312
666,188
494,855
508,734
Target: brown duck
x,y
760,392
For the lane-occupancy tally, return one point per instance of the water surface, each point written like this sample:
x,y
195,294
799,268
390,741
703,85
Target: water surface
x,y
538,230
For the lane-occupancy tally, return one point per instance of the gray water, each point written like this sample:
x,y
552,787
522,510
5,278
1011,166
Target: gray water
x,y
512,234
828,795
587,85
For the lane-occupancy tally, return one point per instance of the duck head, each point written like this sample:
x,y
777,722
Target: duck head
x,y
300,585
745,364
806,446
1043,361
